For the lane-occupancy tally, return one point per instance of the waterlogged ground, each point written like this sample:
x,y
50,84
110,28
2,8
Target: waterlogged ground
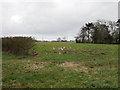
x,y
63,65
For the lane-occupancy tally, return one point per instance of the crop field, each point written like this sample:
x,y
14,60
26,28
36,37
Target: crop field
x,y
63,65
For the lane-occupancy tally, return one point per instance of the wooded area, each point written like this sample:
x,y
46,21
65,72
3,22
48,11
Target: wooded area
x,y
102,32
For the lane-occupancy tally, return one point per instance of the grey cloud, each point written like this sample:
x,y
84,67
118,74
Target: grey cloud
x,y
53,18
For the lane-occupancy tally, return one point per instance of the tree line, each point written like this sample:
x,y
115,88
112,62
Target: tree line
x,y
101,32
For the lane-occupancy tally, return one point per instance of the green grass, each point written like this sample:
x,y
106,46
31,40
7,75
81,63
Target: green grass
x,y
81,66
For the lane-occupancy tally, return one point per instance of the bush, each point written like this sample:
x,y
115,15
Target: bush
x,y
17,45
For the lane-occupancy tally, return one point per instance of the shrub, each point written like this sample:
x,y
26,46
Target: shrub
x,y
17,45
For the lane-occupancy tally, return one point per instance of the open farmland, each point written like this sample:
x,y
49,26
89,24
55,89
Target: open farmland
x,y
63,65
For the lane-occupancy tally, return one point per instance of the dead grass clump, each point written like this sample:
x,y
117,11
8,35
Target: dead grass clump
x,y
68,64
73,66
35,65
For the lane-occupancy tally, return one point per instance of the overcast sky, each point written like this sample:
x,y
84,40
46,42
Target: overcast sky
x,y
49,19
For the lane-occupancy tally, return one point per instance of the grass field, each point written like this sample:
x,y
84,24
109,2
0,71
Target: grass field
x,y
77,66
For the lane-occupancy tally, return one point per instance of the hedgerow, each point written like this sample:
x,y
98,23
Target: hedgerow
x,y
17,45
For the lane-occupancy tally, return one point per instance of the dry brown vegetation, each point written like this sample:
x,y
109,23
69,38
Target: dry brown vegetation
x,y
17,45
